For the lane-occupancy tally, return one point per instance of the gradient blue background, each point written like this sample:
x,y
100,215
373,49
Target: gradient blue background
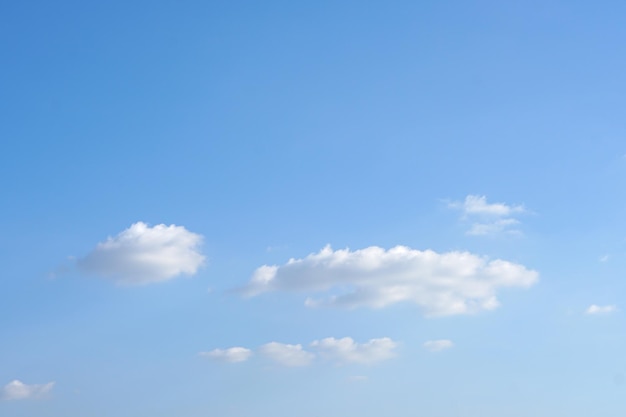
x,y
273,128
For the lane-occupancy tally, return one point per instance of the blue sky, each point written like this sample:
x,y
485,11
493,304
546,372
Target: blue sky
x,y
332,208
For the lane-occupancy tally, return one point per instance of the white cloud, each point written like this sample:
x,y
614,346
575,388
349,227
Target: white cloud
x,y
496,226
440,284
438,345
598,310
142,254
346,350
17,390
489,218
477,205
604,258
232,355
286,355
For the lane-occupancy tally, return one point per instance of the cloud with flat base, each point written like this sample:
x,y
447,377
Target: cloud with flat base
x,y
232,355
17,390
441,284
286,354
346,350
143,255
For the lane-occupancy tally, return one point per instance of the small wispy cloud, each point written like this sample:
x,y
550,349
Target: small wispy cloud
x,y
600,310
478,205
497,226
339,351
231,355
488,218
346,350
275,248
17,390
604,258
286,354
438,345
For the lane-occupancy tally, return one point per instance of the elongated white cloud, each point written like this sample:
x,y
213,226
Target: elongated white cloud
x,y
287,355
232,355
438,345
142,255
489,218
496,226
441,284
600,310
17,390
346,350
477,205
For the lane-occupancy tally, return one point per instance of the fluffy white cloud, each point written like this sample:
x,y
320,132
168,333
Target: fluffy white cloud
x,y
346,350
142,254
441,284
286,355
17,390
488,218
232,355
438,345
597,310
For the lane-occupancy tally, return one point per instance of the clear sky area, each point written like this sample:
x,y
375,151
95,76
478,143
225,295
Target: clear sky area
x,y
279,208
